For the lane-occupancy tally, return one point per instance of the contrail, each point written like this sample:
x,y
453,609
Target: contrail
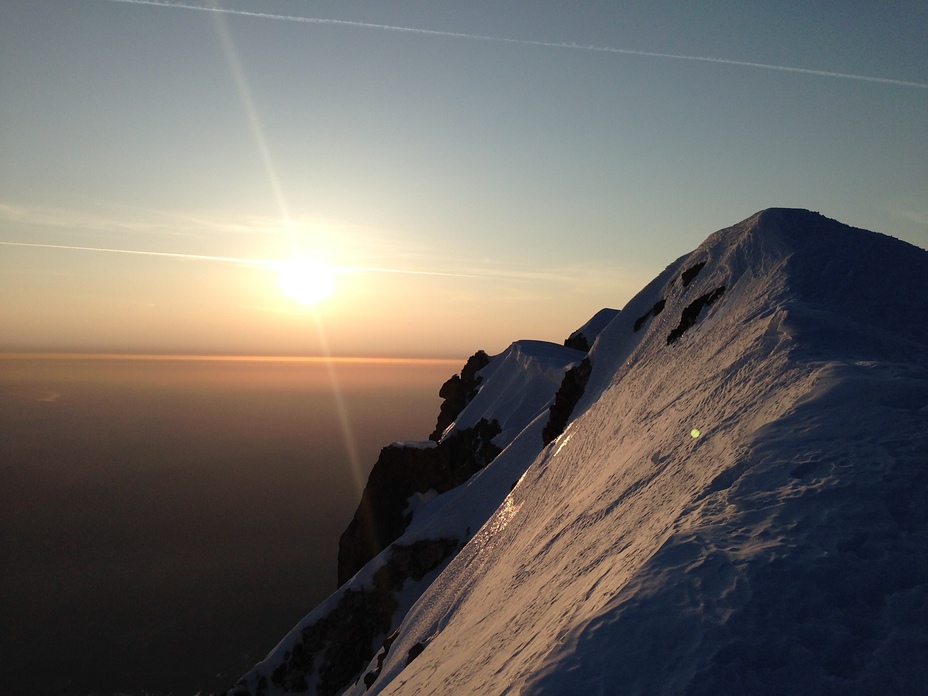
x,y
198,257
528,42
270,264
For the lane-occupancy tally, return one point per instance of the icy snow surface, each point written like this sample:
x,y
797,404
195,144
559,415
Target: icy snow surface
x,y
516,389
781,551
517,385
784,550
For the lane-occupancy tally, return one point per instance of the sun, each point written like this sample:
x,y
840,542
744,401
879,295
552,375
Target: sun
x,y
306,280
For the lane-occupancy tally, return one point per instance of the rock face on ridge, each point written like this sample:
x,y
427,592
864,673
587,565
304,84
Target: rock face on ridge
x,y
584,337
403,473
566,399
458,391
406,472
394,547
736,502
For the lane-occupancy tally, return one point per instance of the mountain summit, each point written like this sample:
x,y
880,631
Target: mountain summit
x,y
726,494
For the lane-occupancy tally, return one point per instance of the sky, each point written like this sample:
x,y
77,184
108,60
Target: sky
x,y
468,173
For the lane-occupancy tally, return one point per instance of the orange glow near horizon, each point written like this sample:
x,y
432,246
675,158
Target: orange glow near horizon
x,y
311,359
339,377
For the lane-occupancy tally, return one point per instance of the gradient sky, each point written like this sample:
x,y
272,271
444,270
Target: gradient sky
x,y
546,179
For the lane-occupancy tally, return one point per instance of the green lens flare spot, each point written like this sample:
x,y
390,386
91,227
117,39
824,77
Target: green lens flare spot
x,y
694,433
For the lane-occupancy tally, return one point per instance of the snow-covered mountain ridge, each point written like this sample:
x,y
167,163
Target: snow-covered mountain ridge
x,y
739,501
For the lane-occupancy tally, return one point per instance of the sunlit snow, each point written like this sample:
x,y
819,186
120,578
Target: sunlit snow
x,y
740,509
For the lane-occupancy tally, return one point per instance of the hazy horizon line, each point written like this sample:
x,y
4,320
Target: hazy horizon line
x,y
210,357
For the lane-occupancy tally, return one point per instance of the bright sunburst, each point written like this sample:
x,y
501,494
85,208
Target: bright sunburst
x,y
306,280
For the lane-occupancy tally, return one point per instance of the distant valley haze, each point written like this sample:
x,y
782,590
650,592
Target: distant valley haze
x,y
164,521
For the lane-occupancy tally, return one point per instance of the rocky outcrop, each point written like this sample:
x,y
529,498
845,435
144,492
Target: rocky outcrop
x,y
458,391
690,273
332,651
392,549
691,312
402,471
686,278
567,396
656,309
405,470
333,648
578,341
583,338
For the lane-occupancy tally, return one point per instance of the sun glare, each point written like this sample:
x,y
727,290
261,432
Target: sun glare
x,y
305,280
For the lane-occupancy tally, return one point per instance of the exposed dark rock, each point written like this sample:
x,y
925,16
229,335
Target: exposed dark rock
x,y
336,648
653,312
568,394
340,642
578,341
583,338
458,391
690,273
371,676
400,472
687,277
414,652
691,312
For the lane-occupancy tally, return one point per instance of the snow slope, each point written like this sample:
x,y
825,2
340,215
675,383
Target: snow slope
x,y
738,505
783,550
516,388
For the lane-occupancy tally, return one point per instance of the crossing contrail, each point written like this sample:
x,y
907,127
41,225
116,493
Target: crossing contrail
x,y
198,257
267,263
527,42
276,264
